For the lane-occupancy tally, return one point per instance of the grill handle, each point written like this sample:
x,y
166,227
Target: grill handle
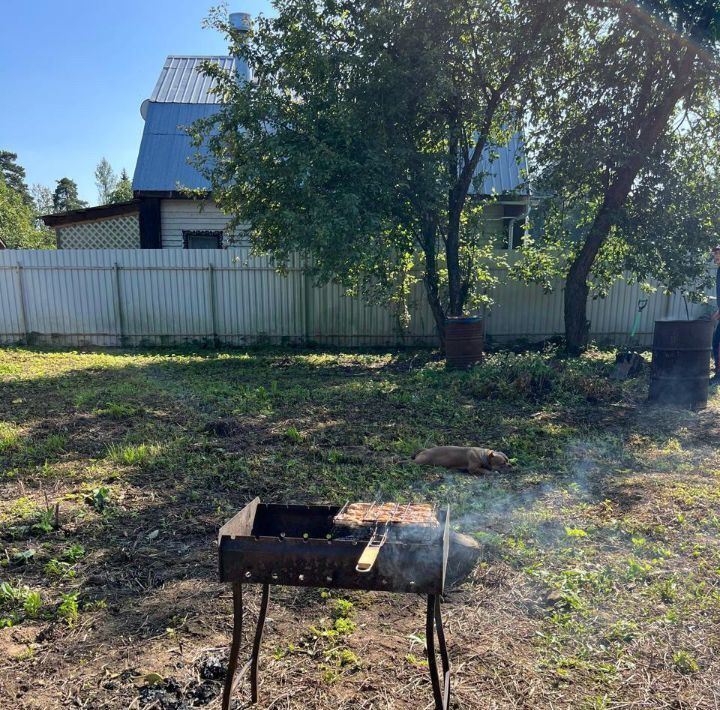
x,y
371,551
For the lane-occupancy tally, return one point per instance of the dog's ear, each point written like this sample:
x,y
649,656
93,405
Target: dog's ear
x,y
416,453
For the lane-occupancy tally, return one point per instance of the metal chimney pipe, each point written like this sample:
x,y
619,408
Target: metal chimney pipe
x,y
242,21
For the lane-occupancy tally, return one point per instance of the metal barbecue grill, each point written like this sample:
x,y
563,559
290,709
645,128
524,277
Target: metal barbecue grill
x,y
325,546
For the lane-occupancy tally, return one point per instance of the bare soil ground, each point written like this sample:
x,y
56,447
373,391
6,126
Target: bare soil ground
x,y
598,587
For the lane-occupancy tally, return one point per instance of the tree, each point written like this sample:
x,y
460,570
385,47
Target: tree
x,y
123,191
359,140
17,223
105,180
614,146
65,197
42,197
14,174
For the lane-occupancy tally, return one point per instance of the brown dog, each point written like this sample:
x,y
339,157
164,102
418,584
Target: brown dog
x,y
472,458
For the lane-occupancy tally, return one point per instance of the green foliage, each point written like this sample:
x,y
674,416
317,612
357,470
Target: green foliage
x,y
626,150
16,602
42,197
9,435
65,197
10,594
17,222
98,498
95,605
56,568
123,191
132,454
575,532
358,144
105,181
13,175
44,523
24,557
74,552
32,604
68,608
684,662
343,608
293,435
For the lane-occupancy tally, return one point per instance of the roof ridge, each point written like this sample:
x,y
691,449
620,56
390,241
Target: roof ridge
x,y
199,56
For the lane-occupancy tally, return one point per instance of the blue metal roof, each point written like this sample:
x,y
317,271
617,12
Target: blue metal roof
x,y
506,172
162,163
181,97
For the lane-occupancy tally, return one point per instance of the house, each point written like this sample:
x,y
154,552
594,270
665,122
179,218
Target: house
x,y
162,216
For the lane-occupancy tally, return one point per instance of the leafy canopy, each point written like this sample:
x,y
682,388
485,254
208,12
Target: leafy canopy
x,y
627,150
18,229
359,142
65,197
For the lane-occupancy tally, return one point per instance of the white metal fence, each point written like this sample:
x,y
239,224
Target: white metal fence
x,y
130,297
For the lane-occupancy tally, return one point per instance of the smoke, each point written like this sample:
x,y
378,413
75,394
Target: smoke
x,y
496,504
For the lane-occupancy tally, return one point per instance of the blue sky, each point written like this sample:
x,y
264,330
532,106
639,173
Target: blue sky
x,y
73,75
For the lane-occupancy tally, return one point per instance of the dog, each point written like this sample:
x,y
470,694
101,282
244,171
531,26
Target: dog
x,y
473,458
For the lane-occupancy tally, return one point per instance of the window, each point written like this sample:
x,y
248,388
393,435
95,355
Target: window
x,y
202,239
514,221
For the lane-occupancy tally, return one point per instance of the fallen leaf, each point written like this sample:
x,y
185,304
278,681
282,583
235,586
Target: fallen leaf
x,y
149,679
152,535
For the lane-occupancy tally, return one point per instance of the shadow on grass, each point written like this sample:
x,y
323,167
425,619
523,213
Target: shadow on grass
x,y
302,426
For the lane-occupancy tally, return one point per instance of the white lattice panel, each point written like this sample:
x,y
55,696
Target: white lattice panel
x,y
121,232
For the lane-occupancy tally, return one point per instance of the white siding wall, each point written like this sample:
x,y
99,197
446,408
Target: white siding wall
x,y
177,215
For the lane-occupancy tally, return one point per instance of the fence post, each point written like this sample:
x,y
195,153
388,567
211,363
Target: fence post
x,y
23,309
119,314
213,305
307,296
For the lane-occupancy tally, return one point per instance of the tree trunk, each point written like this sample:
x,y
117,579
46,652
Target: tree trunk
x,y
452,256
436,308
577,326
576,286
431,278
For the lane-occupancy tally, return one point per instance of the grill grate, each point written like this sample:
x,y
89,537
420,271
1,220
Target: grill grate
x,y
377,513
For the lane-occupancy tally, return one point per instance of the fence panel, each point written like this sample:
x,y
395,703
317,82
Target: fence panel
x,y
130,297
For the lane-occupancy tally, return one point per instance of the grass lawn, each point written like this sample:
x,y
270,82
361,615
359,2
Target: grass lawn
x,y
598,587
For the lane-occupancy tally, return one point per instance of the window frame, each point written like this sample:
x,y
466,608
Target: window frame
x,y
188,234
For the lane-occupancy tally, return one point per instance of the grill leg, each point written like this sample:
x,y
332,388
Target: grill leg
x,y
231,679
433,622
443,654
235,647
256,643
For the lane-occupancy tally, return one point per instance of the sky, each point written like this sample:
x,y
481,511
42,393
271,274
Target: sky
x,y
73,75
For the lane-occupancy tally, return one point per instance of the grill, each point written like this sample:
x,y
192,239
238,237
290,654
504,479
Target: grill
x,y
374,547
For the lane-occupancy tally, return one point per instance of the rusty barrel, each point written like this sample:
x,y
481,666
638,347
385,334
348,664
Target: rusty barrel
x,y
464,341
681,362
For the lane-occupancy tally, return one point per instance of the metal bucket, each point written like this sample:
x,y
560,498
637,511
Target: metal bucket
x,y
681,362
464,341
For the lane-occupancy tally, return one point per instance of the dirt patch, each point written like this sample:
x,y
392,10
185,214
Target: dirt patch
x,y
596,585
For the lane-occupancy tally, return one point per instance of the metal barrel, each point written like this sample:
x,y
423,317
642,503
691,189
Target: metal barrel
x,y
681,362
464,341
